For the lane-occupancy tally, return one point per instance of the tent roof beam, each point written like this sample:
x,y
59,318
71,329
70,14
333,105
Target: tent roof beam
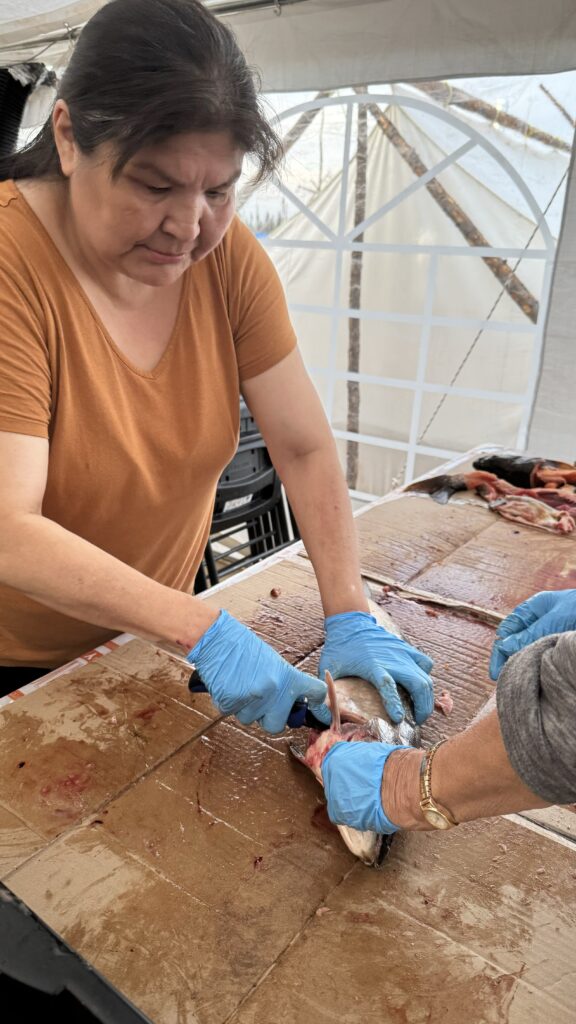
x,y
224,7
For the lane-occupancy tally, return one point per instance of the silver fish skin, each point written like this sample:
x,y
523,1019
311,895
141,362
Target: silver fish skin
x,y
359,715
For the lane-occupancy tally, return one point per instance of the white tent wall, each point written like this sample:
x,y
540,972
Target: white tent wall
x,y
318,44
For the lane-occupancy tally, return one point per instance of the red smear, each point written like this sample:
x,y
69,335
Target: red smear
x,y
69,785
321,820
360,917
147,713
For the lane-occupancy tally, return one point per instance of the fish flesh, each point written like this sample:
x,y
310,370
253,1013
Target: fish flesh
x,y
359,715
527,510
525,471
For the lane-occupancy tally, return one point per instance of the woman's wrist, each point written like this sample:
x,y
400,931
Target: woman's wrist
x,y
401,789
349,598
192,619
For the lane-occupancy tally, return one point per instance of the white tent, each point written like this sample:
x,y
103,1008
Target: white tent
x,y
335,43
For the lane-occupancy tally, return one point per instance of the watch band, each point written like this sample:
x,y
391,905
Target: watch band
x,y
437,817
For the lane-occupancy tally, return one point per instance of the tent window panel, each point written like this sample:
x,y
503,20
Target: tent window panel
x,y
268,210
502,223
313,331
369,468
308,276
389,282
373,409
486,193
386,349
463,423
467,287
480,360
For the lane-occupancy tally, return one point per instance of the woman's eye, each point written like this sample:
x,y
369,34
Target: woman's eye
x,y
158,190
217,197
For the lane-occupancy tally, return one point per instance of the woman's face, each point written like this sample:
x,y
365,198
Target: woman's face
x,y
169,207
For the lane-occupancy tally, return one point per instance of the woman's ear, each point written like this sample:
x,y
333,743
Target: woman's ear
x,y
64,137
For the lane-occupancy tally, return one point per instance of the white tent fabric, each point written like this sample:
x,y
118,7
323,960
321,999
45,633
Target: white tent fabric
x,y
319,43
397,283
332,43
41,30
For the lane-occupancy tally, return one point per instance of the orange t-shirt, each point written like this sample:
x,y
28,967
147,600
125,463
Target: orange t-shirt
x,y
135,455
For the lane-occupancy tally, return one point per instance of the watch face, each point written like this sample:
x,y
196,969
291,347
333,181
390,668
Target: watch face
x,y
436,819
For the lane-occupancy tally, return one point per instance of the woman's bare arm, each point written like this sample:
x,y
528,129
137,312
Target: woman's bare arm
x,y
61,570
290,415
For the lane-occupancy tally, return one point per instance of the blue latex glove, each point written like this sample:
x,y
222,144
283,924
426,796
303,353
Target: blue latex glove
x,y
352,774
357,646
247,678
550,611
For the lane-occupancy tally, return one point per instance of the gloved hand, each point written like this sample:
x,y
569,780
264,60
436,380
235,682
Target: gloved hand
x,y
352,774
550,611
247,678
357,646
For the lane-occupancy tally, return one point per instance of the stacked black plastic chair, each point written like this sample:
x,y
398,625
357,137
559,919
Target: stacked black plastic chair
x,y
249,501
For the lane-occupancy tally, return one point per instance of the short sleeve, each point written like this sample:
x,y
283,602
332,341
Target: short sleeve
x,y
25,376
263,333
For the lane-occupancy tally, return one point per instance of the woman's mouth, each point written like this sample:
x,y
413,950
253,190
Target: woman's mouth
x,y
159,256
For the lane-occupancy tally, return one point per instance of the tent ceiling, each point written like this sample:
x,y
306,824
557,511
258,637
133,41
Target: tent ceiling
x,y
330,43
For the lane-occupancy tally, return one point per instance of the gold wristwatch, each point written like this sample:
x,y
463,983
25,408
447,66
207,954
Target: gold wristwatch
x,y
434,816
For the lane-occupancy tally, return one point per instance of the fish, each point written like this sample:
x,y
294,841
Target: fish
x,y
358,714
548,507
525,470
442,487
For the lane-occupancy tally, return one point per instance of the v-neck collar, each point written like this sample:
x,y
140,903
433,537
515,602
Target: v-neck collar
x,y
149,374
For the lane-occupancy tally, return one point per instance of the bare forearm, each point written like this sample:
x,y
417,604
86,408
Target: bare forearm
x,y
72,576
319,498
471,777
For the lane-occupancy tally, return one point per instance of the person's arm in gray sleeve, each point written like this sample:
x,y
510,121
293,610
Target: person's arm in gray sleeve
x,y
536,701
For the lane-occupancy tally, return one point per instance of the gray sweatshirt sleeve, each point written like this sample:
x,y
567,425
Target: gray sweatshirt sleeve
x,y
536,700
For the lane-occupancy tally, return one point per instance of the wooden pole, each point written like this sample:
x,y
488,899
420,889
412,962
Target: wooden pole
x,y
512,284
354,301
445,94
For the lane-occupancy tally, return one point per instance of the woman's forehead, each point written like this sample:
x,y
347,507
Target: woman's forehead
x,y
182,157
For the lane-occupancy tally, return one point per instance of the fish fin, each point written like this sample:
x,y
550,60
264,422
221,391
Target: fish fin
x,y
333,702
440,488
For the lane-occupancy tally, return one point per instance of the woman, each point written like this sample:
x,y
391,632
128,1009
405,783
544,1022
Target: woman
x,y
135,308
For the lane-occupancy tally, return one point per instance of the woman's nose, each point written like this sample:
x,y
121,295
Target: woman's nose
x,y
183,221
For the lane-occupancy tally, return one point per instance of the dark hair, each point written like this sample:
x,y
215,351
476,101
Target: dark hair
x,y
144,70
